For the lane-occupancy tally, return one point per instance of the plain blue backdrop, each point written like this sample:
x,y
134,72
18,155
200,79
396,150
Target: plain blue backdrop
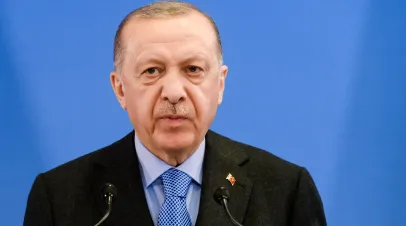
x,y
319,83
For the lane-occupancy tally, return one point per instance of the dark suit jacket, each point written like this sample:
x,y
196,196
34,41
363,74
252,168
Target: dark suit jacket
x,y
268,190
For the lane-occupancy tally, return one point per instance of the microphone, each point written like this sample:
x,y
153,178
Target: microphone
x,y
221,195
109,192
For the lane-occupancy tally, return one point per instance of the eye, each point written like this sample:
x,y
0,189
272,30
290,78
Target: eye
x,y
193,70
152,71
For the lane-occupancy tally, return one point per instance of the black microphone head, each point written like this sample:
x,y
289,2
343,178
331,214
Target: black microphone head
x,y
109,190
220,194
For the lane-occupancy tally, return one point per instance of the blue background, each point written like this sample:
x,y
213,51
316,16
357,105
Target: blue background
x,y
319,83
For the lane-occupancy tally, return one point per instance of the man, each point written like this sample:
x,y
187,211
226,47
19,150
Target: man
x,y
170,79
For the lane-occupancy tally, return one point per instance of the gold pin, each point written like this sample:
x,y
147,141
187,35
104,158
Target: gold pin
x,y
231,179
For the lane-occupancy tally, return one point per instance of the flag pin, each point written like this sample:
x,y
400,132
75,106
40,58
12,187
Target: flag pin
x,y
231,179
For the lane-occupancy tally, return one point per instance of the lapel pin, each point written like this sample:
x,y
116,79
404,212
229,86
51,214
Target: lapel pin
x,y
231,179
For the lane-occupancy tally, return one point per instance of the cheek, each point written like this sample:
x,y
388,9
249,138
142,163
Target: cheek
x,y
205,100
140,102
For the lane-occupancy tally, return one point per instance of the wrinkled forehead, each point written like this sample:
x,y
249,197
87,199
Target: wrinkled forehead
x,y
191,32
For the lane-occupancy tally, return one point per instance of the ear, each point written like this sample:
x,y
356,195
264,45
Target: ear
x,y
118,88
223,75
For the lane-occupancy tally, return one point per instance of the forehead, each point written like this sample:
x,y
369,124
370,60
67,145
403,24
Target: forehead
x,y
190,31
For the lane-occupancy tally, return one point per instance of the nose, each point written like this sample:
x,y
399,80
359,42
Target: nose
x,y
173,89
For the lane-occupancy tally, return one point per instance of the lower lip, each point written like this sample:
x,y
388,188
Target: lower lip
x,y
173,120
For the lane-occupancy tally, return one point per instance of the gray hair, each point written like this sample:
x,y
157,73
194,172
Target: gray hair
x,y
161,9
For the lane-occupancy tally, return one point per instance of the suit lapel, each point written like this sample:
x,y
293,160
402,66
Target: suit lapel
x,y
221,158
119,166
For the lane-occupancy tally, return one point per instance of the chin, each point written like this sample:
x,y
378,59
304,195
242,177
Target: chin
x,y
175,141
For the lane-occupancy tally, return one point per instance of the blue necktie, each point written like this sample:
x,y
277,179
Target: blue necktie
x,y
174,210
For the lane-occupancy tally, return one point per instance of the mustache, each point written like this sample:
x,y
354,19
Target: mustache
x,y
167,109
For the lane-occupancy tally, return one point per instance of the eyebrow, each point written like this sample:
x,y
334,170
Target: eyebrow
x,y
155,59
194,57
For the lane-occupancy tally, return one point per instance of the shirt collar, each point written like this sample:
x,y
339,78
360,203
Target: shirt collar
x,y
152,167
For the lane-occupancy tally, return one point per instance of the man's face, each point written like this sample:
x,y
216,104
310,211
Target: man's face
x,y
171,80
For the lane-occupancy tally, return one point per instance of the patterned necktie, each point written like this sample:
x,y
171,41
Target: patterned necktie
x,y
174,210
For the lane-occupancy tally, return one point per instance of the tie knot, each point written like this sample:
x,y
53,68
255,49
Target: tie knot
x,y
176,183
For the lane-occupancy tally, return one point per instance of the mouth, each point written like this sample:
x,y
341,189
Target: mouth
x,y
173,119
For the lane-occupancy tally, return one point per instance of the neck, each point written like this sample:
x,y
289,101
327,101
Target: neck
x,y
171,156
172,160
174,157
